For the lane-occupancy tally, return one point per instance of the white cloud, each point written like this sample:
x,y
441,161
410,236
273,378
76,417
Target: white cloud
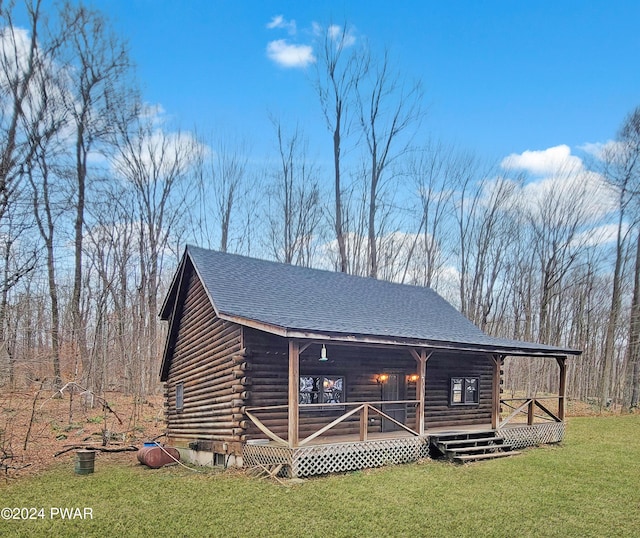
x,y
604,150
278,21
600,235
345,38
287,54
155,112
560,180
156,154
402,259
292,55
548,161
14,47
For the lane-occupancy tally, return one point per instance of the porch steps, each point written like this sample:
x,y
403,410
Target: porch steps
x,y
462,447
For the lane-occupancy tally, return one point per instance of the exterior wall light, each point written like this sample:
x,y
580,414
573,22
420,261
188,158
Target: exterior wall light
x,y
323,354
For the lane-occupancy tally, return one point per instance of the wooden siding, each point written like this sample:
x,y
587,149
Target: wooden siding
x,y
441,367
208,358
267,356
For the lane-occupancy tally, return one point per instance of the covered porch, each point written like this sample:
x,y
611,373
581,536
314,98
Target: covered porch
x,y
350,435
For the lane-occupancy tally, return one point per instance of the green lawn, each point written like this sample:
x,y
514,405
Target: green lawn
x,y
588,486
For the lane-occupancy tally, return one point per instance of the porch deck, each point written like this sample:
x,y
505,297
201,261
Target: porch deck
x,y
340,453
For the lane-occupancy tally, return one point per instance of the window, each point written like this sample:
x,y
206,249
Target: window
x,y
464,391
319,389
179,396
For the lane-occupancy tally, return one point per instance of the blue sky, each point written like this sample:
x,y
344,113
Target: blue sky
x,y
500,77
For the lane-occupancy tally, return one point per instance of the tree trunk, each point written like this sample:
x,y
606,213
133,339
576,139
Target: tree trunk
x,y
614,315
633,351
79,329
338,195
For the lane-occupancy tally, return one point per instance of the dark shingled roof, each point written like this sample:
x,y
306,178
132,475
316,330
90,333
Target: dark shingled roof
x,y
300,300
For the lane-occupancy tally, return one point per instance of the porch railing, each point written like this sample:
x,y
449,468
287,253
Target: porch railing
x,y
363,408
520,406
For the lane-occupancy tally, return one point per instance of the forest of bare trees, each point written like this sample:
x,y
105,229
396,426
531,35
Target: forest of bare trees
x,y
98,197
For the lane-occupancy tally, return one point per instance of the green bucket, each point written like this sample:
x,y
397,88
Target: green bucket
x,y
85,461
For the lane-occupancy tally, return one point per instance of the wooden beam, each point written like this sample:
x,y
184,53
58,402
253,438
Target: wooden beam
x,y
294,389
422,359
386,341
562,390
495,413
538,404
398,423
530,413
264,429
517,410
364,423
326,428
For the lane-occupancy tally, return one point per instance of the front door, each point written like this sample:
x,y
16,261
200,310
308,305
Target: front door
x,y
393,390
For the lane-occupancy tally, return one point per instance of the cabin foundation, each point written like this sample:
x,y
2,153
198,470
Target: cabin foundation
x,y
336,457
303,462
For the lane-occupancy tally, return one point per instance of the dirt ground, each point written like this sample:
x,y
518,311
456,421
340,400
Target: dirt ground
x,y
35,426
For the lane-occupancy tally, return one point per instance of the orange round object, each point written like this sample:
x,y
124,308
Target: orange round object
x,y
157,456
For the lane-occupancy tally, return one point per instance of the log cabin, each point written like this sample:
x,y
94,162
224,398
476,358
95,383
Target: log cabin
x,y
302,372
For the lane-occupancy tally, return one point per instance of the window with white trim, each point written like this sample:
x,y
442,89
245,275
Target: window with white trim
x,y
464,391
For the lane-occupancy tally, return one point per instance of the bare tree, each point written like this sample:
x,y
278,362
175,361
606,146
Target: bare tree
x,y
386,111
19,64
157,166
46,211
633,351
556,217
340,68
28,119
428,173
465,175
112,252
228,169
99,89
17,261
294,200
622,171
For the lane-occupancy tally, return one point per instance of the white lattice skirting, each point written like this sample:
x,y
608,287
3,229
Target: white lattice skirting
x,y
340,457
536,434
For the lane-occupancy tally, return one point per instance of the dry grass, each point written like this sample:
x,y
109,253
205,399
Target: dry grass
x,y
29,444
585,487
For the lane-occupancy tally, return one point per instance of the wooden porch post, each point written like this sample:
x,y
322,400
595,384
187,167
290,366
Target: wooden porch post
x,y
495,413
294,389
562,387
422,359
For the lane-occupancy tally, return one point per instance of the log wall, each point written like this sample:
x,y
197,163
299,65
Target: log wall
x,y
208,358
441,367
267,356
